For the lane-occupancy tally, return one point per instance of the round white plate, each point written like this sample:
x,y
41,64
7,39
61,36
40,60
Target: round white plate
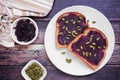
x,y
77,67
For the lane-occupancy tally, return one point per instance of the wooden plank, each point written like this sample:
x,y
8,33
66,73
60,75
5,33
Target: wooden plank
x,y
111,72
110,8
22,54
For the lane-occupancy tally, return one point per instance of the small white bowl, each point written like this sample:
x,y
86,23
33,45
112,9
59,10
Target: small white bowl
x,y
13,31
28,64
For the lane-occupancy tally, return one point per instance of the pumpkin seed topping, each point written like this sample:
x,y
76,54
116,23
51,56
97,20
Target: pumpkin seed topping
x,y
80,17
64,42
87,42
66,28
66,21
63,19
92,47
74,22
74,33
60,33
63,27
69,32
83,53
98,47
79,21
104,47
77,49
67,38
95,55
78,27
97,38
90,54
81,47
91,36
87,54
68,35
71,20
93,43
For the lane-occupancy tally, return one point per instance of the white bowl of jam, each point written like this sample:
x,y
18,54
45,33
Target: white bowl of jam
x,y
24,30
34,70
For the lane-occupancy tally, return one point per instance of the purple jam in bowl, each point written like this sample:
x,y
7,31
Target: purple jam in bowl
x,y
24,30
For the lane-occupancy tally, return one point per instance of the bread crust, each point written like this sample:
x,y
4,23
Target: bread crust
x,y
94,67
57,27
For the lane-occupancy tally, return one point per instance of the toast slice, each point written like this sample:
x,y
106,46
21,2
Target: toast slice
x,y
68,26
90,47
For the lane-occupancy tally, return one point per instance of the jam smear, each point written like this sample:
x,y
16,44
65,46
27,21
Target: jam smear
x,y
24,30
70,26
90,47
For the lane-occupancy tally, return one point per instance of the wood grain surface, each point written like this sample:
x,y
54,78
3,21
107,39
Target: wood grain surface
x,y
12,60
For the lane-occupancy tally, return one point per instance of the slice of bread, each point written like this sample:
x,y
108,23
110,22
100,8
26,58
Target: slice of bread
x,y
68,26
90,47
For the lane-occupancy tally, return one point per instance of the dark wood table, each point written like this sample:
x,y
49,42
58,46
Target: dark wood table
x,y
12,60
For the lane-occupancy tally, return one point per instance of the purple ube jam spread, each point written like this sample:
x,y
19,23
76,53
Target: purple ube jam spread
x,y
25,30
70,27
90,47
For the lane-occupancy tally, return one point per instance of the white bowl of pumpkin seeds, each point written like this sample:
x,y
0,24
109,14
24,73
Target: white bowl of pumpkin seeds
x,y
34,70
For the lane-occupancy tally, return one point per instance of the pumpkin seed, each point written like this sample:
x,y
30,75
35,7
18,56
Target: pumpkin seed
x,y
77,49
80,17
66,28
104,47
62,52
63,27
95,55
98,47
74,22
78,27
71,20
69,32
68,60
90,54
93,22
68,35
87,54
83,53
64,42
93,43
87,42
74,33
88,20
91,36
60,33
63,19
67,38
97,38
79,21
66,21
81,47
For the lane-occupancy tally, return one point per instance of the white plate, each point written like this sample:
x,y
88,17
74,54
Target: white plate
x,y
77,67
